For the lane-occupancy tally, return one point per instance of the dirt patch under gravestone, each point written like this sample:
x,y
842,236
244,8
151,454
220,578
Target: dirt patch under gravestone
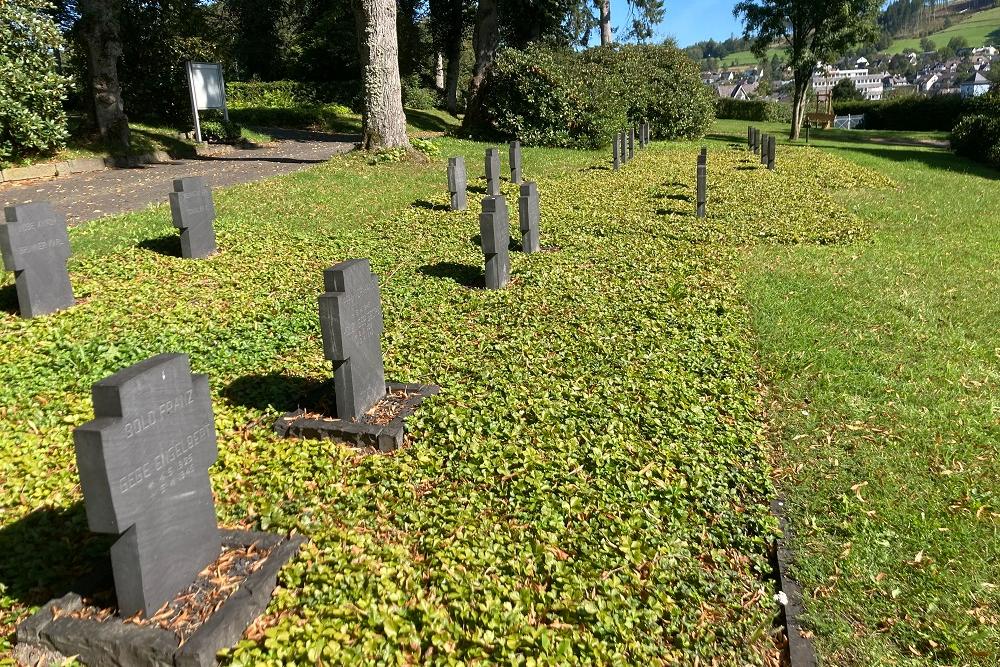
x,y
96,194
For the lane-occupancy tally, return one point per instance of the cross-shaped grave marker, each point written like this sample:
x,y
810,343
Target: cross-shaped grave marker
x,y
492,171
143,465
350,317
193,211
35,246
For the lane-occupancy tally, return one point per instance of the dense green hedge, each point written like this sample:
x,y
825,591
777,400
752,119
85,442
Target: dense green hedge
x,y
913,113
977,134
753,110
290,94
31,89
562,98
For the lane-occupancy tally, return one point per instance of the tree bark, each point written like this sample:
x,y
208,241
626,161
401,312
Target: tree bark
x,y
454,73
801,85
383,124
485,40
439,72
100,28
605,7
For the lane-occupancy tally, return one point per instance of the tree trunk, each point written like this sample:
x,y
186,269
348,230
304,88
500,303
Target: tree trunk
x,y
605,6
439,72
453,76
485,40
100,27
799,103
383,124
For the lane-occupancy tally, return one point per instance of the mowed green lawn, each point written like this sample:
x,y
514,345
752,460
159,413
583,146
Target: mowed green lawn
x,y
883,359
979,29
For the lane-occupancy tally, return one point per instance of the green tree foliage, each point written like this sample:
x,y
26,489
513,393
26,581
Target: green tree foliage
x,y
812,30
846,90
31,88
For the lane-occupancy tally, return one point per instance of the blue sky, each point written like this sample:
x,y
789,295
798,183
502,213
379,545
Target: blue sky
x,y
689,21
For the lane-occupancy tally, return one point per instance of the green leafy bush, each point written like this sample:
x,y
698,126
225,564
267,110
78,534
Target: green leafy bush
x,y
32,119
760,111
918,114
977,135
223,131
562,98
291,94
416,96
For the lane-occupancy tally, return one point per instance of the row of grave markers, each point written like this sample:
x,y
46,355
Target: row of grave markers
x,y
35,245
494,220
623,144
764,144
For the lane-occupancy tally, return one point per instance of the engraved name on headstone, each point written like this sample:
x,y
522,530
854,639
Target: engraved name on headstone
x,y
616,159
515,162
528,215
193,212
492,171
457,182
143,465
494,232
35,246
350,318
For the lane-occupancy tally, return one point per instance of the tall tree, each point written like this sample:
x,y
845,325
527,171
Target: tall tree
x,y
383,124
812,30
449,19
604,7
100,29
485,41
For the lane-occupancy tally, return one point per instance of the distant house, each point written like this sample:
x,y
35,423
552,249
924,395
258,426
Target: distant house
x,y
989,51
741,91
926,83
976,85
861,63
868,83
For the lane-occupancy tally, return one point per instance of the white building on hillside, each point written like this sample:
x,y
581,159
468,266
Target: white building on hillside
x,y
870,85
976,86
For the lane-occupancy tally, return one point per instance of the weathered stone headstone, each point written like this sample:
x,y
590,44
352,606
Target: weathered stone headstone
x,y
771,150
755,141
749,136
492,171
514,155
457,182
143,465
764,140
616,159
193,211
494,231
350,318
623,148
702,184
35,246
529,214
631,143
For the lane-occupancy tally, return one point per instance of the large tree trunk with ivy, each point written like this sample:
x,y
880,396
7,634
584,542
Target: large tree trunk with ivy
x,y
801,87
485,41
383,124
605,7
100,28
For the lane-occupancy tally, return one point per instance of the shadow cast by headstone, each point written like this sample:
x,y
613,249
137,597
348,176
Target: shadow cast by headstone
x,y
430,206
597,167
478,189
275,391
8,299
746,167
678,197
50,552
466,275
168,244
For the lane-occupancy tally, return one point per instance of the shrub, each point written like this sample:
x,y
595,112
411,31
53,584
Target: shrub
x,y
31,89
415,96
977,135
561,98
913,113
291,94
223,131
753,110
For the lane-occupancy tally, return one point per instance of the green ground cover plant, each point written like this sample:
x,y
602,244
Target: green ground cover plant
x,y
883,358
590,486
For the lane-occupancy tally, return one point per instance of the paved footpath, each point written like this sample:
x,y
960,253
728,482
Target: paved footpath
x,y
96,194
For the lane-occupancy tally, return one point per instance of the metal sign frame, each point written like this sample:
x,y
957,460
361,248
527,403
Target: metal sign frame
x,y
196,103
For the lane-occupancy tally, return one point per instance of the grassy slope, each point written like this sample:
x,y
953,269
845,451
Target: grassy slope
x,y
884,359
590,483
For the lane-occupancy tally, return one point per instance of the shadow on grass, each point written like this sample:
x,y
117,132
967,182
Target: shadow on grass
x,y
50,552
430,206
463,274
274,391
144,141
168,244
8,299
429,121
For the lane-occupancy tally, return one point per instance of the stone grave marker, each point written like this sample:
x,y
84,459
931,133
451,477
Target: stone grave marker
x,y
529,214
492,171
457,182
755,141
193,211
350,317
749,136
764,143
631,143
143,465
702,184
623,147
494,230
514,155
616,159
35,246
772,143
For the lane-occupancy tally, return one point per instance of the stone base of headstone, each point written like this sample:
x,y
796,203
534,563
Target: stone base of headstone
x,y
303,423
53,633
